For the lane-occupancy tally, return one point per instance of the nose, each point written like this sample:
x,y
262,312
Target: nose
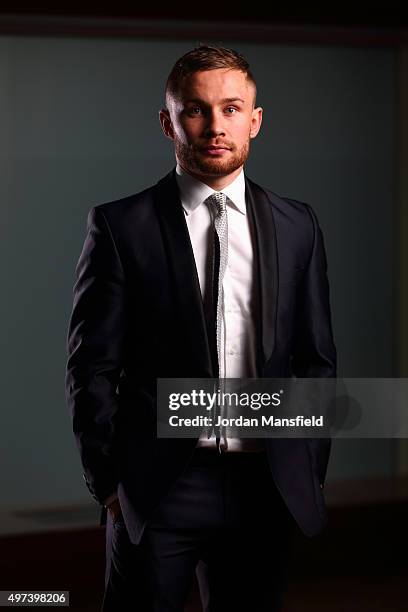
x,y
214,126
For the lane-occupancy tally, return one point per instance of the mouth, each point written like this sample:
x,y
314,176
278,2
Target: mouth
x,y
215,150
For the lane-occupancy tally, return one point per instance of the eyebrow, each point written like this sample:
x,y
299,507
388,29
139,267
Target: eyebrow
x,y
224,101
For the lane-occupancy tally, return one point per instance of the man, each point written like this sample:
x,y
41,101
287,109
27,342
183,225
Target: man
x,y
205,274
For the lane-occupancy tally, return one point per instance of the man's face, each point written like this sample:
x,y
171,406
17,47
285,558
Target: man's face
x,y
212,121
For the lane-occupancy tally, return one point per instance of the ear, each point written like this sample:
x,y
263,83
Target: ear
x,y
256,121
166,124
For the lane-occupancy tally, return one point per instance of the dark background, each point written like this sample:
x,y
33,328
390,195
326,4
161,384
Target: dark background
x,y
80,93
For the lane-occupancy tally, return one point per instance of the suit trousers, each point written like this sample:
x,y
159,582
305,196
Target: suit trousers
x,y
224,520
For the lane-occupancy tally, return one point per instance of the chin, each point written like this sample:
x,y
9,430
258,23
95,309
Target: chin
x,y
216,167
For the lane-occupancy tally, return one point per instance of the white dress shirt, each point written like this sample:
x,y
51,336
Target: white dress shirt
x,y
238,332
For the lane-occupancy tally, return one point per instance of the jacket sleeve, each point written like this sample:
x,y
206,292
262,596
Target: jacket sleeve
x,y
95,348
315,352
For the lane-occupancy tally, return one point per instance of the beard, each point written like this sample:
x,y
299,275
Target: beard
x,y
195,161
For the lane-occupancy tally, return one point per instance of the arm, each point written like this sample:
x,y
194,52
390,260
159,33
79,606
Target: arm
x,y
95,353
107,502
315,353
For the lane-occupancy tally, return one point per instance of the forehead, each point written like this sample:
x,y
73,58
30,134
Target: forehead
x,y
210,85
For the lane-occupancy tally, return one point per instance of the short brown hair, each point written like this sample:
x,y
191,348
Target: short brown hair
x,y
206,57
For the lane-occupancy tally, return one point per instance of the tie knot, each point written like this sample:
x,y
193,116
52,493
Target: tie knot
x,y
219,201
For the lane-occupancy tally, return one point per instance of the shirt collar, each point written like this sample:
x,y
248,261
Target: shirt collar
x,y
193,192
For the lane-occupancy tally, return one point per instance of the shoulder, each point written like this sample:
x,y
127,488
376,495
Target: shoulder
x,y
123,207
287,209
135,211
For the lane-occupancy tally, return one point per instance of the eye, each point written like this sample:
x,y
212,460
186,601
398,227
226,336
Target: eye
x,y
194,110
230,110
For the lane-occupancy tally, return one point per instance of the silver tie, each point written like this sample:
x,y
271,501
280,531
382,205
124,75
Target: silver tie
x,y
217,203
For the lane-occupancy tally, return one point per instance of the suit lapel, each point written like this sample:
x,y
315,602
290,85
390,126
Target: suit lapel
x,y
184,272
260,212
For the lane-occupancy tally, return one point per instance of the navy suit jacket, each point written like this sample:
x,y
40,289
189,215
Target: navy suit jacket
x,y
138,316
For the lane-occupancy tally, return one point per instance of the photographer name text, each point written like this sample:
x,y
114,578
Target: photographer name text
x,y
240,421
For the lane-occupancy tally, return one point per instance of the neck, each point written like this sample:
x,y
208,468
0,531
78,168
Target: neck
x,y
215,182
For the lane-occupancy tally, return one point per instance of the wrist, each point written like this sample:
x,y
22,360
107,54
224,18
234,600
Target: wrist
x,y
109,500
